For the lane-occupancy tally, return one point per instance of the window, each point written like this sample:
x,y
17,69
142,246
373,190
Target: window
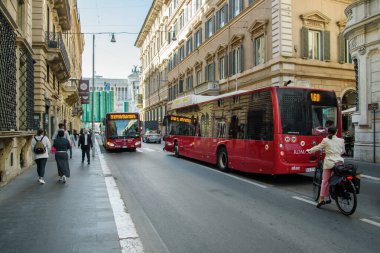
x,y
189,82
198,38
20,14
222,67
199,77
221,17
251,1
260,116
198,4
174,31
181,53
259,50
347,55
236,6
210,72
210,27
236,60
181,21
180,86
189,46
314,46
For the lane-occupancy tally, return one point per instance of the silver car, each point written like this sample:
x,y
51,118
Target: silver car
x,y
151,136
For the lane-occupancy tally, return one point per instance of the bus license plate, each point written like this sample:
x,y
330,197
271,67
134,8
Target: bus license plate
x,y
310,169
125,147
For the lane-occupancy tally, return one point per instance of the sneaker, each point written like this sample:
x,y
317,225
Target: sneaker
x,y
41,180
60,179
64,179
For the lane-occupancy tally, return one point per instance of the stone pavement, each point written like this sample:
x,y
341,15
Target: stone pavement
x,y
55,217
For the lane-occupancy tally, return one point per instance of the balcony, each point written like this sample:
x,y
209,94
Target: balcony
x,y
77,111
139,100
210,88
57,56
70,93
63,10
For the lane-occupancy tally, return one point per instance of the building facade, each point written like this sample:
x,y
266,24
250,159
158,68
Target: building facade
x,y
36,64
134,90
16,88
211,47
363,34
58,46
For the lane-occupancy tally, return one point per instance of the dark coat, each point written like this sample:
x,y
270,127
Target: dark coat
x,y
81,141
61,144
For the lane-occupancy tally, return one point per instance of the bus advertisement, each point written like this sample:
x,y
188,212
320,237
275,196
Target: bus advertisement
x,y
121,131
260,131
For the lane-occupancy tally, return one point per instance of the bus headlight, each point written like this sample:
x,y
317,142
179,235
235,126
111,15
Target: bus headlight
x,y
110,144
138,143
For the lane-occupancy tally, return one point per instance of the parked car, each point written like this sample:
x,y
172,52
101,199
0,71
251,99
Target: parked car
x,y
151,136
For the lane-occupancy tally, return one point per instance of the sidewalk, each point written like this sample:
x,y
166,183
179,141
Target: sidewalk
x,y
55,217
369,169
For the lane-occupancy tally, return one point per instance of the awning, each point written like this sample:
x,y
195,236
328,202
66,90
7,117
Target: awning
x,y
350,110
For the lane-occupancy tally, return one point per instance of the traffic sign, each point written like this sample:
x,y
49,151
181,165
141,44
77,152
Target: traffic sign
x,y
373,107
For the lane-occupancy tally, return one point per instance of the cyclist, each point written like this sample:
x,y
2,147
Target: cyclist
x,y
334,148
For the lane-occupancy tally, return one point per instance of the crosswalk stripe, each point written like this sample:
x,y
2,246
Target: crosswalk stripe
x,y
149,149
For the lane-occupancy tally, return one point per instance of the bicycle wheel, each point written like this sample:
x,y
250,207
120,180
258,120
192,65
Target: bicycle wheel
x,y
317,181
346,200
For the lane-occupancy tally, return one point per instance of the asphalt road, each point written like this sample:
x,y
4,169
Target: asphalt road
x,y
180,205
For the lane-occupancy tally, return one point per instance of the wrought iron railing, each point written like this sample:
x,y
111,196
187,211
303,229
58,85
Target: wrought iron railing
x,y
54,40
8,80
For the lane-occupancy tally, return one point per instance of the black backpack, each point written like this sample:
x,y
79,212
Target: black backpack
x,y
39,148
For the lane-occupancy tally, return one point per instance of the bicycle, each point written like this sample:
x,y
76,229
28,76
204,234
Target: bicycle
x,y
344,186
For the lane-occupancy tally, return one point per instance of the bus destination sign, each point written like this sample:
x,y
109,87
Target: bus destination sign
x,y
123,116
315,97
180,119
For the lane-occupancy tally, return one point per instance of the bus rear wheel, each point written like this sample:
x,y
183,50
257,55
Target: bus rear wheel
x,y
222,160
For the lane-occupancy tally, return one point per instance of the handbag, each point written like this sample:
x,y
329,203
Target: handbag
x,y
53,150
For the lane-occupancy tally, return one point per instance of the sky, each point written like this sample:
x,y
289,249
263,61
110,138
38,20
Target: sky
x,y
112,60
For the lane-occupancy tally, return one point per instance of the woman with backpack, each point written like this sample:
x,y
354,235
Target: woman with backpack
x,y
40,148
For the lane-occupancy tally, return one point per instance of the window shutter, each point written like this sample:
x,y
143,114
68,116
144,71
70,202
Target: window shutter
x,y
230,10
241,6
225,13
326,45
217,20
241,58
254,52
226,65
213,24
230,64
200,37
206,73
206,30
304,43
341,48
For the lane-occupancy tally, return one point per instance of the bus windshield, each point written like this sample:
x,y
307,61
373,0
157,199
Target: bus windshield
x,y
123,128
307,112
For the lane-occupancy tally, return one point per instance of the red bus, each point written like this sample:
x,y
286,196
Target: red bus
x,y
260,131
122,131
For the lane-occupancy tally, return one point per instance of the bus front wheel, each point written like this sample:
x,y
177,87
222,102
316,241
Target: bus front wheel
x,y
222,160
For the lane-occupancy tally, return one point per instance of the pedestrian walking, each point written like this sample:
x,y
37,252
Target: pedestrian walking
x,y
40,147
61,157
76,138
61,126
85,143
72,143
334,148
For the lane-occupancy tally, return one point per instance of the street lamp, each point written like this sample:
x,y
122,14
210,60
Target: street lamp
x,y
93,90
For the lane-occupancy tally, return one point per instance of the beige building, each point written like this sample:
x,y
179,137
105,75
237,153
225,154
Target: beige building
x,y
211,47
58,46
363,33
35,71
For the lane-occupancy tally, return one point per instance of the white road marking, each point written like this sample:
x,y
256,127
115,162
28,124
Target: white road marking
x,y
238,178
139,150
149,149
305,200
128,238
370,177
371,222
